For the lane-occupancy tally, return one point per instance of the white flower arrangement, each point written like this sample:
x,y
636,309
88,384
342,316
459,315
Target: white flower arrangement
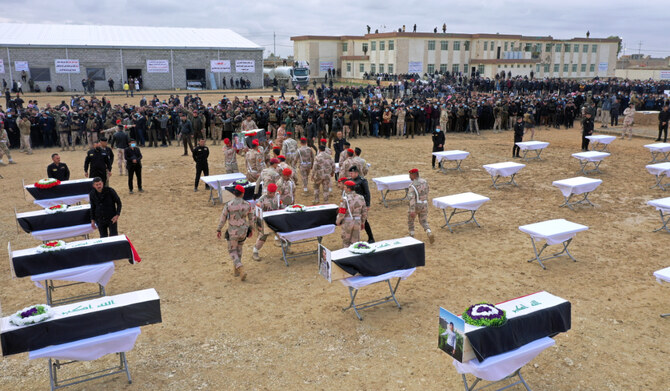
x,y
362,248
47,181
31,315
52,245
295,208
56,209
485,310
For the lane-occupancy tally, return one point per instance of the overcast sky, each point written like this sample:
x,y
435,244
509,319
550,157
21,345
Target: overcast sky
x,y
634,21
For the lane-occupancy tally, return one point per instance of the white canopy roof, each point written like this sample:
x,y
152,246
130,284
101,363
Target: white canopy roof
x,y
69,35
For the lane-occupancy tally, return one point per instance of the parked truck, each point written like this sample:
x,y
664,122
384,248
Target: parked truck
x,y
298,74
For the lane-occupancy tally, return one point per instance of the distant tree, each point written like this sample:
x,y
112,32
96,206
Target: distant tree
x,y
618,50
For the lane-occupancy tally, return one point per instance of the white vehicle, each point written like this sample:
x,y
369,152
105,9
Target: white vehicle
x,y
295,75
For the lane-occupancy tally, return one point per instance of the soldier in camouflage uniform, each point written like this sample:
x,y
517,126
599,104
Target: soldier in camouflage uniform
x,y
4,147
348,161
360,163
239,214
400,122
286,187
267,202
352,215
306,161
290,150
218,127
230,157
283,165
324,169
268,175
418,204
255,162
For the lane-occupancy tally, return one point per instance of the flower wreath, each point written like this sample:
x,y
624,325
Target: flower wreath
x,y
362,248
242,182
485,314
47,183
56,209
52,245
31,315
295,208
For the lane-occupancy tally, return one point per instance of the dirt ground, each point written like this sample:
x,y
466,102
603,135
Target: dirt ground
x,y
284,328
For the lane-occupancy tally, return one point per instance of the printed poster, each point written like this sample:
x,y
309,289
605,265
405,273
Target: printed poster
x,y
324,66
602,67
325,263
415,67
2,66
67,66
451,338
158,66
245,66
21,66
664,75
218,66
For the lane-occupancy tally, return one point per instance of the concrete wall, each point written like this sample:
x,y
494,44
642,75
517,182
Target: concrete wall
x,y
116,62
643,74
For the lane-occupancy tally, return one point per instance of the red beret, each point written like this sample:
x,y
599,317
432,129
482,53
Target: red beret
x,y
343,179
226,140
351,151
323,140
281,157
239,188
287,172
303,139
274,160
272,187
414,171
349,184
118,122
255,142
288,133
268,133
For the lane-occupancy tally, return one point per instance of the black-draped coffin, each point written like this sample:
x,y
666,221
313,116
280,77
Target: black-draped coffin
x,y
75,328
249,191
519,331
65,189
30,265
68,218
297,221
380,262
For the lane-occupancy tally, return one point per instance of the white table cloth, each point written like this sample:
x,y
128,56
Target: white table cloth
x,y
395,182
90,348
503,169
307,233
98,274
499,367
577,185
358,282
662,275
536,146
659,170
601,139
658,149
467,201
222,180
451,155
591,156
662,205
71,200
63,233
553,231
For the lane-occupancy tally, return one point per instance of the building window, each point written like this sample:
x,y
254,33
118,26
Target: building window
x,y
594,48
527,47
381,68
444,45
465,69
517,65
576,48
557,48
537,68
365,47
547,47
457,45
567,48
574,68
373,68
506,45
348,67
431,69
480,69
556,67
466,45
585,49
546,68
96,73
382,45
373,46
345,46
592,68
583,68
390,68
40,74
431,45
361,68
486,45
391,45
491,45
565,68
537,48
443,68
454,68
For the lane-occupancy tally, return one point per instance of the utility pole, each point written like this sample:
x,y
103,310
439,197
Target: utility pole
x,y
274,44
639,47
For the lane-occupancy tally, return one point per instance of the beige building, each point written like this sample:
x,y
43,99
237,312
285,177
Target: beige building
x,y
488,54
641,67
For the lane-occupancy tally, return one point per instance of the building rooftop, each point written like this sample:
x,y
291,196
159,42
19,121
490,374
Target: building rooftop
x,y
120,37
424,35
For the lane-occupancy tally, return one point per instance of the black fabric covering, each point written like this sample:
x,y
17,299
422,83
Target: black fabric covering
x,y
56,220
39,263
63,190
75,328
380,262
491,341
249,191
297,221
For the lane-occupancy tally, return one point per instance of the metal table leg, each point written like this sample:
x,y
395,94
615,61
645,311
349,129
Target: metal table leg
x,y
56,383
538,152
391,297
455,211
584,200
517,373
444,169
538,255
286,246
386,200
665,219
497,177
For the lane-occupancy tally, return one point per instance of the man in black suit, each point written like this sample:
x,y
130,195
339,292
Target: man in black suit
x,y
105,208
58,170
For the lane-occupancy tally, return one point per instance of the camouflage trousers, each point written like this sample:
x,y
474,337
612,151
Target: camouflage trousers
x,y
324,184
216,134
231,168
262,236
400,128
305,170
421,210
351,231
4,150
235,250
252,176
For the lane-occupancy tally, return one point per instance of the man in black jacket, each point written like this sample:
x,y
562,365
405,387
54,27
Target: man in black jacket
x,y
200,155
58,170
363,189
587,130
105,208
663,118
438,142
133,157
99,163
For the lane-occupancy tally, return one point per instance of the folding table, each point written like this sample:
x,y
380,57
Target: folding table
x,y
663,275
585,158
218,182
461,203
559,231
287,239
537,146
392,183
499,170
659,170
502,367
575,186
96,274
601,142
88,349
663,207
659,149
357,282
74,221
455,155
